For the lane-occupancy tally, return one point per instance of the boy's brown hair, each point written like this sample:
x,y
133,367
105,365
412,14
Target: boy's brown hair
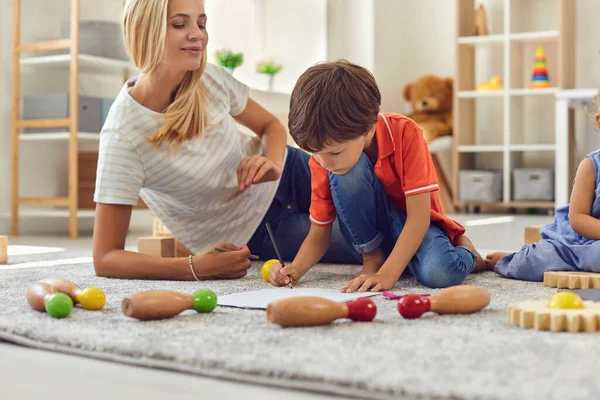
x,y
333,102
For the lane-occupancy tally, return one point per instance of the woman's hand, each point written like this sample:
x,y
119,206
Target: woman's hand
x,y
257,169
227,265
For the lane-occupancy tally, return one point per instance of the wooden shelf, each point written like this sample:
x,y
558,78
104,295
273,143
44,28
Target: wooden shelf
x,y
473,94
481,40
533,92
501,119
493,148
509,204
536,37
71,61
57,136
532,147
86,62
48,45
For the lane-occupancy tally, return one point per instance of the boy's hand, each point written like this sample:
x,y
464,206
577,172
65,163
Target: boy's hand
x,y
283,276
257,169
376,282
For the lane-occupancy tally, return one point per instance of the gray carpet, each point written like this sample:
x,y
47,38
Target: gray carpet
x,y
466,357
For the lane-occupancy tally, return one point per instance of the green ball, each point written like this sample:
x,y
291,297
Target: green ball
x,y
205,300
59,305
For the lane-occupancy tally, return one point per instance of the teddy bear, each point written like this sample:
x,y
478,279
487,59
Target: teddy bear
x,y
431,100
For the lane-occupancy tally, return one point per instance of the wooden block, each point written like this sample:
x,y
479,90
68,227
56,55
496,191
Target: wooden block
x,y
536,315
3,249
532,234
572,280
157,246
162,246
181,250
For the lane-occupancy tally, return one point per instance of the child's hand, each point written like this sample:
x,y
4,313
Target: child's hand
x,y
257,169
376,282
283,276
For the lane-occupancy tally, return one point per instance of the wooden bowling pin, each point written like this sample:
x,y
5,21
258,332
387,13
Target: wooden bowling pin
x,y
41,292
43,297
453,300
312,311
160,304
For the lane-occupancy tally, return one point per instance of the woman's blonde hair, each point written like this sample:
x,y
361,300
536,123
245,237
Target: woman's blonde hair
x,y
145,33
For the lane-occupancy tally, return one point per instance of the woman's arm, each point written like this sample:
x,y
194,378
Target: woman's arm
x,y
580,207
113,261
274,140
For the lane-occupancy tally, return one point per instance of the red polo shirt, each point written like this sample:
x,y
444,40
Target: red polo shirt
x,y
404,168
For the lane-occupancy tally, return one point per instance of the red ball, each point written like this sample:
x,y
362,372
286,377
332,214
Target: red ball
x,y
413,306
362,310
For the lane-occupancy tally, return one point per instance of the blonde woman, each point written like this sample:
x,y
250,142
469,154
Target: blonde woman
x,y
171,137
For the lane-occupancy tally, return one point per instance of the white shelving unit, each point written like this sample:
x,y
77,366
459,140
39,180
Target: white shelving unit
x,y
513,41
66,128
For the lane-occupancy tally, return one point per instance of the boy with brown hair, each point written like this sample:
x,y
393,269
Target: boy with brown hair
x,y
374,172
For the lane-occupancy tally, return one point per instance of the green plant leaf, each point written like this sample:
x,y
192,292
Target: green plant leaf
x,y
227,58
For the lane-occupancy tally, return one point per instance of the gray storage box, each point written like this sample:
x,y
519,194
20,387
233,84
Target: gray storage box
x,y
99,38
106,105
533,184
483,186
57,106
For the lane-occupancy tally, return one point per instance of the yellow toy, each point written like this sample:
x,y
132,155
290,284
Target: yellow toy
x,y
264,271
565,311
493,84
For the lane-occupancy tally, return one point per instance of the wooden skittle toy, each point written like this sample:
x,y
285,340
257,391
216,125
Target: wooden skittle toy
x,y
313,311
160,304
57,296
453,300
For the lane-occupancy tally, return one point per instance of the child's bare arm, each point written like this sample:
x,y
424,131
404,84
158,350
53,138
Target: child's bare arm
x,y
312,250
418,210
418,219
580,207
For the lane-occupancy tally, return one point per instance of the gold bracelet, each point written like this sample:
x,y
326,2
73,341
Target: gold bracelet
x,y
192,267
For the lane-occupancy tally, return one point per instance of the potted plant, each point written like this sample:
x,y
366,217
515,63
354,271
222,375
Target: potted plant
x,y
269,68
229,60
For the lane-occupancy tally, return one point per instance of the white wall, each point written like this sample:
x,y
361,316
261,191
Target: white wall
x,y
289,32
350,31
398,40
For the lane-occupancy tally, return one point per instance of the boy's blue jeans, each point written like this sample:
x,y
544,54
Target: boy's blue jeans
x,y
368,221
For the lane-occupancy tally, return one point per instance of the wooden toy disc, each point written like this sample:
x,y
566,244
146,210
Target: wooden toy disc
x,y
535,314
572,280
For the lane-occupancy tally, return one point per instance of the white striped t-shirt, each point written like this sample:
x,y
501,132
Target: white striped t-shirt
x,y
194,192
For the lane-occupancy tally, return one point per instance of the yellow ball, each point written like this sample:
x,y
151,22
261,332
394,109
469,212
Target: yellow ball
x,y
565,300
92,298
264,271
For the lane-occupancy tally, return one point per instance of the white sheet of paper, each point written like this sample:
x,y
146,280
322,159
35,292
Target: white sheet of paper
x,y
260,299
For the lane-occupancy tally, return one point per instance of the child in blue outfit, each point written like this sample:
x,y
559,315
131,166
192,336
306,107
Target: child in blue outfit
x,y
572,241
